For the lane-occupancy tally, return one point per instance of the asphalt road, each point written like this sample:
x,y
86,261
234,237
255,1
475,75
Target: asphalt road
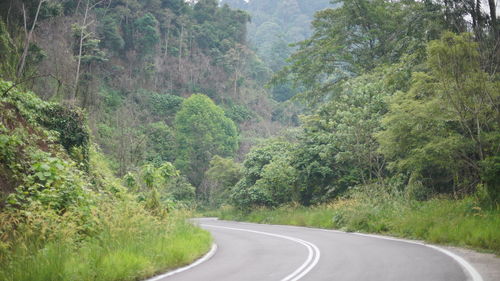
x,y
270,252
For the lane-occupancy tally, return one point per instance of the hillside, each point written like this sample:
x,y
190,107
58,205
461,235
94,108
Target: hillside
x,y
130,65
65,216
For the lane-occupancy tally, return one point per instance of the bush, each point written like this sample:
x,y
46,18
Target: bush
x,y
180,190
490,175
265,182
73,132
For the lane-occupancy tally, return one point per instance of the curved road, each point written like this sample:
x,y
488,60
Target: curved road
x,y
260,252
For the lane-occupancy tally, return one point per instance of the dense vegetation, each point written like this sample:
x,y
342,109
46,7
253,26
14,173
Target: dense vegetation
x,y
402,98
409,101
146,109
130,65
65,216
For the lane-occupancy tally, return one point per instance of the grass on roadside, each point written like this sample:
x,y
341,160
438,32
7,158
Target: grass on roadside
x,y
126,243
445,221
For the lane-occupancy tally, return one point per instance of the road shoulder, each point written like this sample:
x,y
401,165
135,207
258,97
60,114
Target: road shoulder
x,y
488,265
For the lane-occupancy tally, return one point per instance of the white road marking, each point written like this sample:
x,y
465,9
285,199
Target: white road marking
x,y
312,258
473,274
467,266
206,257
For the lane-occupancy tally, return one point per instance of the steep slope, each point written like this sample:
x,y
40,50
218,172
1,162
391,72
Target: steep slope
x,y
64,215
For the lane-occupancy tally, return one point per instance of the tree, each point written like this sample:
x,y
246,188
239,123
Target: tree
x,y
354,39
8,54
82,34
28,38
202,131
279,181
146,34
247,193
446,125
337,149
180,191
111,37
235,60
222,175
204,10
160,143
153,179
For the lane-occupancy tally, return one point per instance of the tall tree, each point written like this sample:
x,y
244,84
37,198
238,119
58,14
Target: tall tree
x,y
447,124
355,38
82,29
202,131
28,35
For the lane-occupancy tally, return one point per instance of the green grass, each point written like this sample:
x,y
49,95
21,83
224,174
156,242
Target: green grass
x,y
126,244
445,221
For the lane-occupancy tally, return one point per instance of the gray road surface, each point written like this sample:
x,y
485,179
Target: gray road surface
x,y
270,252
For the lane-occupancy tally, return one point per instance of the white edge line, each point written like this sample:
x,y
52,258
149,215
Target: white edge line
x,y
304,268
468,268
206,257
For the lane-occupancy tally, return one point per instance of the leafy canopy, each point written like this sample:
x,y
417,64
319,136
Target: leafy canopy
x,y
202,131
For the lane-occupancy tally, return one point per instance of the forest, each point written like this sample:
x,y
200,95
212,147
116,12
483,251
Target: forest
x,y
121,118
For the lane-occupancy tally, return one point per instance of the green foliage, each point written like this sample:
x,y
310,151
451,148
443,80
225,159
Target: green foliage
x,y
448,120
60,223
180,191
224,171
490,169
238,113
277,23
279,181
337,149
335,52
74,134
164,105
177,6
33,158
247,193
51,181
112,39
222,175
161,143
202,130
146,33
132,54
153,180
9,56
91,53
205,10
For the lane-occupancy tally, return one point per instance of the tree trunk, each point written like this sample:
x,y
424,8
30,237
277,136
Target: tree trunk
x,y
493,15
166,43
180,47
80,49
20,69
